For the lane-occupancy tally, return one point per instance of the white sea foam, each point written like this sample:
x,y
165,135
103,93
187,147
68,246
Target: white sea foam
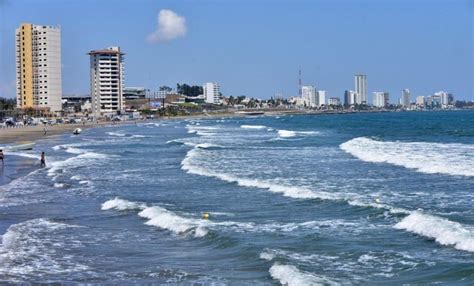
x,y
286,133
73,162
253,126
59,185
120,204
31,247
290,275
291,191
443,231
161,217
118,134
165,219
425,157
290,133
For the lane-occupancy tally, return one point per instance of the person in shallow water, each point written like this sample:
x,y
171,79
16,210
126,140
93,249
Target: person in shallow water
x,y
43,161
1,155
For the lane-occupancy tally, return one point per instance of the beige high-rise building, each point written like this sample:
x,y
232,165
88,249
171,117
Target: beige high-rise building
x,y
38,67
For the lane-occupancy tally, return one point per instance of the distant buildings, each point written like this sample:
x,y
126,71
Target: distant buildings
x,y
380,99
420,101
211,92
38,67
334,101
321,97
405,99
107,80
134,93
361,88
349,97
309,95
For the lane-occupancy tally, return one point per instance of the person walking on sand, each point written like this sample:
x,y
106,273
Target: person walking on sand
x,y
44,130
43,161
1,155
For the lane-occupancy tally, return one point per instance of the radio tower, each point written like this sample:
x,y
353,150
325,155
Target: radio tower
x,y
299,82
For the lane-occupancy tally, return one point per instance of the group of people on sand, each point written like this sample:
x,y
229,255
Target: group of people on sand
x,y
42,158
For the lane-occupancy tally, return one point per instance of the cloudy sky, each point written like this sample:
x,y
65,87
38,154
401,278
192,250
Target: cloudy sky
x,y
256,48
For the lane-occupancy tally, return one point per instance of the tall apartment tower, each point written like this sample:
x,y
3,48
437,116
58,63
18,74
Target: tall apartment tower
x,y
361,88
405,99
211,92
107,80
38,67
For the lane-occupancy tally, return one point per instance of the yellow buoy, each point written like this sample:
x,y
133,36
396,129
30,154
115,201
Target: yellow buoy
x,y
205,215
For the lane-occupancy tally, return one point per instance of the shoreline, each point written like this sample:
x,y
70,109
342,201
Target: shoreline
x,y
29,134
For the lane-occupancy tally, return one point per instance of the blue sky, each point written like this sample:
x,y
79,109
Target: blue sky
x,y
255,48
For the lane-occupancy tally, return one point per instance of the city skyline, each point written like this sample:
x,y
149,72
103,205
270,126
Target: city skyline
x,y
169,42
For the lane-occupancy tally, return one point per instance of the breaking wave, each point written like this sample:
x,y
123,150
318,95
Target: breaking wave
x,y
290,133
290,275
430,158
443,231
253,126
33,247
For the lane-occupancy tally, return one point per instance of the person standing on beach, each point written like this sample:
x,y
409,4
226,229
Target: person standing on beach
x,y
43,161
44,130
1,155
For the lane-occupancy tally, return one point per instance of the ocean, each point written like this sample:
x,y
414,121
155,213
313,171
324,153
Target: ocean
x,y
364,199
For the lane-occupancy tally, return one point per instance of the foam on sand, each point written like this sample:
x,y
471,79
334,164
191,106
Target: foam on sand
x,y
443,231
425,157
290,275
253,126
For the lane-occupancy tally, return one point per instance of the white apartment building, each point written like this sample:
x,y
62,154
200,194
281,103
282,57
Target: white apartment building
x,y
321,97
38,67
309,95
405,99
380,99
211,92
107,80
350,97
444,97
334,101
420,100
361,88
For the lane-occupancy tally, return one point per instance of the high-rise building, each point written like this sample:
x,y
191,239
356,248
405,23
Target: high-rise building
x,y
321,97
309,95
107,80
134,93
334,101
349,97
405,99
361,88
38,67
420,101
380,99
211,92
444,96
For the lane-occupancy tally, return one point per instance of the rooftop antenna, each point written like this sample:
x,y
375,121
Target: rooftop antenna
x,y
299,82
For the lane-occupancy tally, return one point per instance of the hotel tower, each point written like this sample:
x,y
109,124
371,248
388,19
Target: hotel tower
x,y
38,67
107,80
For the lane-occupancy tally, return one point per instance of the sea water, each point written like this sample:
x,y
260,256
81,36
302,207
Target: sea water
x,y
382,198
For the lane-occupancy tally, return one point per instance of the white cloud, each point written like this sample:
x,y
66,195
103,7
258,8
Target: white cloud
x,y
170,26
